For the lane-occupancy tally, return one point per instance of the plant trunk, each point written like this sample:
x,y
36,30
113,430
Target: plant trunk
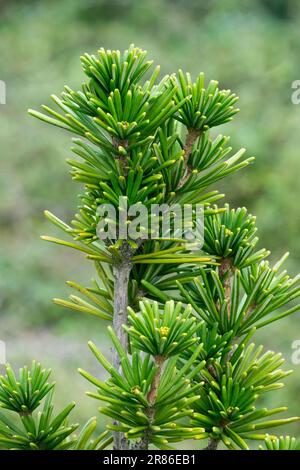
x,y
121,275
212,445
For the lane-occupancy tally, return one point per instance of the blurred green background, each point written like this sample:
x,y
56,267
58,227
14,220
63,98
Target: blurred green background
x,y
251,47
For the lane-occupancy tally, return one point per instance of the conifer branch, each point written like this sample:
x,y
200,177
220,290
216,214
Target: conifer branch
x,y
191,138
143,444
225,272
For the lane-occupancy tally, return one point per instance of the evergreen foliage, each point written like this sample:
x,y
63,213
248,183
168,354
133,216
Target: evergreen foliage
x,y
183,366
40,430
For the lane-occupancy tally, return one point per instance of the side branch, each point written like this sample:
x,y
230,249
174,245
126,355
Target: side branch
x,y
225,272
191,137
159,362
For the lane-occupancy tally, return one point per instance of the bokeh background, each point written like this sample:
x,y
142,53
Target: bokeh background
x,y
251,47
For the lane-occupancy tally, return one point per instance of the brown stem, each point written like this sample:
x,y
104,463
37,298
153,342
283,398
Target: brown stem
x,y
225,271
25,413
212,444
249,311
159,362
151,397
191,137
